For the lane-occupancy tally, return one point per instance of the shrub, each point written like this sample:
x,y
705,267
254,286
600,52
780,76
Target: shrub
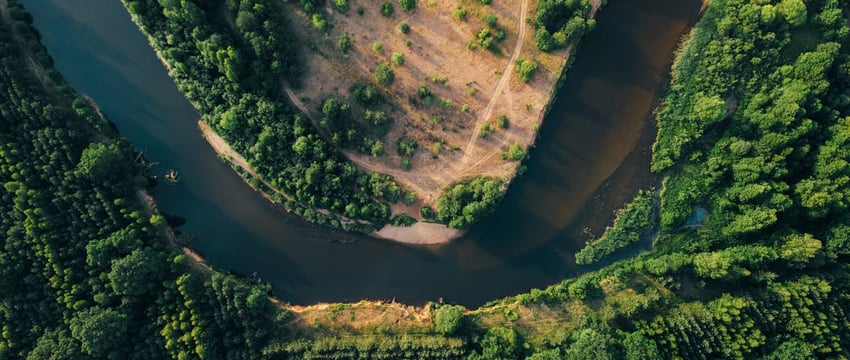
x,y
384,74
366,94
406,165
344,43
487,129
468,201
378,47
408,197
515,152
404,27
460,14
502,122
427,212
491,20
387,9
525,69
397,58
448,319
319,22
406,147
341,6
424,93
407,5
403,220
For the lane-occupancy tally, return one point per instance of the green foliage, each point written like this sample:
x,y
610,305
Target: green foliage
x,y
499,343
460,14
245,108
406,146
561,22
631,221
427,213
102,162
378,47
502,122
366,94
384,74
485,130
407,5
525,69
397,58
448,319
101,332
466,202
403,220
341,6
387,8
762,277
344,43
408,198
404,27
320,23
135,274
90,276
491,20
515,152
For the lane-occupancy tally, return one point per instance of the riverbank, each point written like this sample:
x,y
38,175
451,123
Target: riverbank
x,y
453,73
417,234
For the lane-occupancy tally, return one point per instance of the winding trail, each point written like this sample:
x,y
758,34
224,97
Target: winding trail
x,y
467,170
501,87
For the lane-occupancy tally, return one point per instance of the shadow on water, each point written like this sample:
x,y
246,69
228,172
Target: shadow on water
x,y
591,157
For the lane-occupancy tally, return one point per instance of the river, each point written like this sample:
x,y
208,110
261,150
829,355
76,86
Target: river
x,y
592,155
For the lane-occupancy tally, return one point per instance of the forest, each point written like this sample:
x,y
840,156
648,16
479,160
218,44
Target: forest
x,y
233,69
753,130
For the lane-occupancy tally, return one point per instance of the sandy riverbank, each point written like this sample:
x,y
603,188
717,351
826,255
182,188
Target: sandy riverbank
x,y
418,234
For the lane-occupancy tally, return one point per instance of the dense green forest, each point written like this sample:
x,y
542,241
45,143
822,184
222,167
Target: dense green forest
x,y
87,270
754,130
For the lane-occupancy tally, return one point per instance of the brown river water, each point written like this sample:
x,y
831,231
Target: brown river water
x,y
592,156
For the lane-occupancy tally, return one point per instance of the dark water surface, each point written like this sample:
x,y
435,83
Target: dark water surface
x,y
591,157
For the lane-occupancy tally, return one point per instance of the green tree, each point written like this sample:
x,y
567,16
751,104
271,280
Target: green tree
x,y
525,69
387,8
448,319
384,74
341,6
103,162
344,43
102,332
135,274
407,5
398,58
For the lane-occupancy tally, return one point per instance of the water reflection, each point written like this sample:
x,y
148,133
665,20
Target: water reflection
x,y
591,157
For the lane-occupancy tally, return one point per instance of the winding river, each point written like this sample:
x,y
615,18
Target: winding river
x,y
592,156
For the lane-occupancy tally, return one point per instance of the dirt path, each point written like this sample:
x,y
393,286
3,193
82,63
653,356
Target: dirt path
x,y
223,149
469,169
500,88
297,102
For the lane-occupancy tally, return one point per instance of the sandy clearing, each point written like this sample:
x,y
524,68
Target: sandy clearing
x,y
435,47
421,233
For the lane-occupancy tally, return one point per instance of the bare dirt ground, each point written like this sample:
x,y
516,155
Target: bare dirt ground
x,y
363,317
437,49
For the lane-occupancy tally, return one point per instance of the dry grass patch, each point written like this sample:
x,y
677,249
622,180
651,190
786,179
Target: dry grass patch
x,y
364,317
443,92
